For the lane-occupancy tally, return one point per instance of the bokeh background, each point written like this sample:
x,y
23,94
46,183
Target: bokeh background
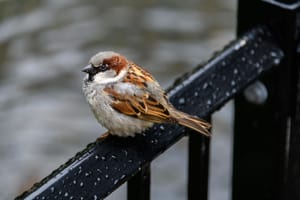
x,y
44,119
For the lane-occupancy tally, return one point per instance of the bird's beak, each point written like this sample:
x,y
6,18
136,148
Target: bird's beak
x,y
88,69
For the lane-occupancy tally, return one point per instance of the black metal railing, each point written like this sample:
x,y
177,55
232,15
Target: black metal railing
x,y
266,155
267,137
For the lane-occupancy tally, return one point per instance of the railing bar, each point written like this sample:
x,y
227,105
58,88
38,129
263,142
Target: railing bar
x,y
198,162
138,187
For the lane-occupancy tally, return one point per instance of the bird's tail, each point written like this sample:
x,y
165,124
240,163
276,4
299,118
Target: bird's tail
x,y
193,122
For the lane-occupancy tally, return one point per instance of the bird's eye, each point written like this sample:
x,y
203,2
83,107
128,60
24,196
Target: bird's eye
x,y
103,67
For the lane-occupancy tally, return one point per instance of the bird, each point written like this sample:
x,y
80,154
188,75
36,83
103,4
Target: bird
x,y
126,99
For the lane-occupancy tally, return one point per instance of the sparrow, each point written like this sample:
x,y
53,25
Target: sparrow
x,y
127,100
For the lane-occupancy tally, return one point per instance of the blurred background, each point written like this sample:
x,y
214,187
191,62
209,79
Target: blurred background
x,y
44,119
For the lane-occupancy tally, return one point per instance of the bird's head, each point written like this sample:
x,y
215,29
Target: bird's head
x,y
106,67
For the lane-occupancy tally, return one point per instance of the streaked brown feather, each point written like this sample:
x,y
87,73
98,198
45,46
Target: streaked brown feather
x,y
193,122
125,108
139,106
138,76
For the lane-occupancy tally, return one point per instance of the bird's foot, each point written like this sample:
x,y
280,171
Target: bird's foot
x,y
103,136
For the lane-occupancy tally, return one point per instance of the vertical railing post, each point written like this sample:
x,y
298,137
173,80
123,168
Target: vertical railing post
x,y
138,187
292,176
292,179
198,151
266,138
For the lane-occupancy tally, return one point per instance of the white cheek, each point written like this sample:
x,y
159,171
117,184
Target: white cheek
x,y
108,77
103,77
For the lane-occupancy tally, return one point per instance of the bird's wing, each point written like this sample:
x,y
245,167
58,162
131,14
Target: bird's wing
x,y
144,103
143,107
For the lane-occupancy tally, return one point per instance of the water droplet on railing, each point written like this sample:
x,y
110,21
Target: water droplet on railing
x,y
123,176
79,170
276,61
196,94
232,83
204,85
116,181
52,189
181,100
95,197
66,194
106,176
154,141
96,157
125,152
161,127
240,44
235,71
113,156
208,102
81,184
259,70
252,52
273,54
214,96
98,179
74,182
103,158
